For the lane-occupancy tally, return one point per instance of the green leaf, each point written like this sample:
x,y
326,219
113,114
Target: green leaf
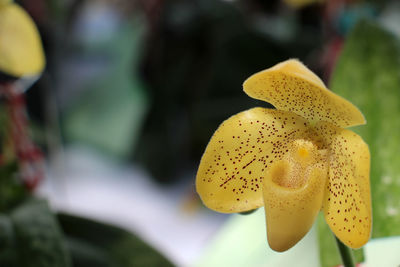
x,y
30,236
8,255
12,191
367,74
97,244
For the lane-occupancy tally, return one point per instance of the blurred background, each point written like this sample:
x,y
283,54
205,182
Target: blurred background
x,y
134,89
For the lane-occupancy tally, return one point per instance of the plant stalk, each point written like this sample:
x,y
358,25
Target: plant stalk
x,y
346,254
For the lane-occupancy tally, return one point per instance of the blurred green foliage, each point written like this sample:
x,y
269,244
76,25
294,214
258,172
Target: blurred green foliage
x,y
12,192
30,236
97,244
367,74
109,113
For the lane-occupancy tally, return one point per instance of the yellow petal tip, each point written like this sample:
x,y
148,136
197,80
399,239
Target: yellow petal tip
x,y
21,52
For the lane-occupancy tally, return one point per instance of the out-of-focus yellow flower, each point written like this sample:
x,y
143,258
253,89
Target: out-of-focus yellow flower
x,y
294,160
4,2
301,3
21,52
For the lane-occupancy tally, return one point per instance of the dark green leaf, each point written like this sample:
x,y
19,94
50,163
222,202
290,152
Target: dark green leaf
x,y
30,236
97,244
8,254
12,191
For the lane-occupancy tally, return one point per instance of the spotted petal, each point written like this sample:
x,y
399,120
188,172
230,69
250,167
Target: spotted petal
x,y
231,171
293,87
21,52
347,201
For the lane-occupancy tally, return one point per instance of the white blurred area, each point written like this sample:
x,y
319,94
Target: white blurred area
x,y
84,183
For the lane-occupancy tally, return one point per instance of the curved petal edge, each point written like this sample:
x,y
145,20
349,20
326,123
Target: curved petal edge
x,y
291,86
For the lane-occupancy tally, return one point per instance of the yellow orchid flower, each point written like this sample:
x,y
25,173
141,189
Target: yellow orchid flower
x,y
294,160
301,3
21,52
4,2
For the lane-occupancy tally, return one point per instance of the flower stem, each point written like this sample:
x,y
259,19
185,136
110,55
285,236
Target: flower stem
x,y
346,254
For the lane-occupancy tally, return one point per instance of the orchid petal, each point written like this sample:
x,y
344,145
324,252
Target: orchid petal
x,y
291,86
293,191
4,2
347,200
231,171
21,50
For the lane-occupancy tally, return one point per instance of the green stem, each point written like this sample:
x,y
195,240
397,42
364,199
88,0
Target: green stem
x,y
346,254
